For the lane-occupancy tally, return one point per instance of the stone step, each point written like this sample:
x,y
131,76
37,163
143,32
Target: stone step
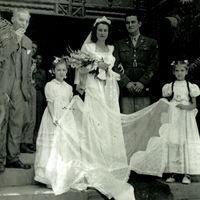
x,y
40,192
185,192
28,158
35,192
19,177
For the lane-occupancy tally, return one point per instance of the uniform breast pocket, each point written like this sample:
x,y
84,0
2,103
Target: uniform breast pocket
x,y
146,48
125,55
144,52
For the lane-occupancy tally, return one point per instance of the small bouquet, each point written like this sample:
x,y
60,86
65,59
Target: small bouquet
x,y
85,63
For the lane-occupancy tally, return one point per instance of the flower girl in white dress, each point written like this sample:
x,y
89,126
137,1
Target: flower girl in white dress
x,y
183,136
58,95
176,148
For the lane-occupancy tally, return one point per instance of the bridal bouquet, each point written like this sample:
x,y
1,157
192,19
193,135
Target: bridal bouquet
x,y
85,63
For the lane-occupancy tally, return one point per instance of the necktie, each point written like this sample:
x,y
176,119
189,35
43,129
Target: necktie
x,y
134,41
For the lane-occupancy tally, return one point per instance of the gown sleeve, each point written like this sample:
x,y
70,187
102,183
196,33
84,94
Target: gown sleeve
x,y
167,90
50,97
194,90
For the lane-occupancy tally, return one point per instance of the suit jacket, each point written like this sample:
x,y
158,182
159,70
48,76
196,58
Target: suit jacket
x,y
8,46
26,50
8,68
140,62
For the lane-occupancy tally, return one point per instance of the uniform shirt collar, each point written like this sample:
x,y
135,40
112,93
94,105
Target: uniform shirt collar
x,y
135,37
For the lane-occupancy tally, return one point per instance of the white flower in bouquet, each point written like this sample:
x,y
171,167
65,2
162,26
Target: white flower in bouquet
x,y
79,59
75,63
87,63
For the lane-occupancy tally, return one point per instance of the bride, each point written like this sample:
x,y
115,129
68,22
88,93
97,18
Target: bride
x,y
94,155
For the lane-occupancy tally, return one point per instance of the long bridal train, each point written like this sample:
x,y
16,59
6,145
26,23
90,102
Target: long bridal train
x,y
145,138
78,160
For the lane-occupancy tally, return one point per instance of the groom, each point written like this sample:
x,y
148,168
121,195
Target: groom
x,y
139,57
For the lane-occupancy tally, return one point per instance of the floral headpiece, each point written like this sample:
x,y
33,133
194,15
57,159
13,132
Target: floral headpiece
x,y
103,19
180,62
56,60
186,1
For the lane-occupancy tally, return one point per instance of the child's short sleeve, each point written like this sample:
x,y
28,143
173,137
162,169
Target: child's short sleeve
x,y
167,90
194,90
49,92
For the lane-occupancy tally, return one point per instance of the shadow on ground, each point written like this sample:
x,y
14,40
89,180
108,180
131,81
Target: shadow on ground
x,y
145,188
149,188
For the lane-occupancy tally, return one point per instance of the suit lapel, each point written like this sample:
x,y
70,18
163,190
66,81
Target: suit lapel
x,y
24,52
13,56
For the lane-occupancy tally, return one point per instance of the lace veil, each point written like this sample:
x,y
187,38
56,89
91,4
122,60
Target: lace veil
x,y
80,79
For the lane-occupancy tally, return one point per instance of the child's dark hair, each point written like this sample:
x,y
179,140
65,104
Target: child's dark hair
x,y
35,42
58,61
180,62
174,64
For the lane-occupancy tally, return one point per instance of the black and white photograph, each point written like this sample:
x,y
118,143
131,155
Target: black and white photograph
x,y
99,99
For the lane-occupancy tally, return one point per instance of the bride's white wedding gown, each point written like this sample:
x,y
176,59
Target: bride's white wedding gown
x,y
92,154
93,143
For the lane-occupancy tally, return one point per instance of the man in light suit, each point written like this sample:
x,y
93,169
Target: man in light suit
x,y
139,57
16,81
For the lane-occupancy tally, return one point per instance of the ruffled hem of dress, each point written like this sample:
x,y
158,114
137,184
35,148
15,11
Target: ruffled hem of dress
x,y
159,174
178,172
41,180
100,188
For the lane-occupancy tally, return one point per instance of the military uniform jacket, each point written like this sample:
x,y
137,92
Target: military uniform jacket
x,y
140,62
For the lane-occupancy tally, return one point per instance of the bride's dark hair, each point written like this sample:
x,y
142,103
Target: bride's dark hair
x,y
94,32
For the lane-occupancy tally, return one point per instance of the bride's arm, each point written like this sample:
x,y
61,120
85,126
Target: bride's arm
x,y
103,65
84,70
